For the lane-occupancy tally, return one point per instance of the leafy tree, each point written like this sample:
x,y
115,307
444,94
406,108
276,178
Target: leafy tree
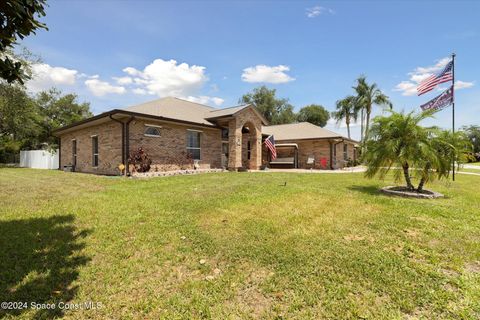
x,y
315,114
19,115
18,19
287,115
276,111
27,122
473,134
346,110
367,96
59,110
398,140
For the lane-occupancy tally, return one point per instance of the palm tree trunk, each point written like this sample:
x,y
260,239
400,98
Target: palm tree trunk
x,y
406,174
421,184
424,178
361,125
367,123
347,121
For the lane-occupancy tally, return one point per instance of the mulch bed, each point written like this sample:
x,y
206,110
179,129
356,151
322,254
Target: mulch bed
x,y
404,192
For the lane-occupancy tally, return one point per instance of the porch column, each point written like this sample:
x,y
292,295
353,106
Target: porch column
x,y
256,149
234,145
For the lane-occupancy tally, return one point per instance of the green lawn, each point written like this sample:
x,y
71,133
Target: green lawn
x,y
323,246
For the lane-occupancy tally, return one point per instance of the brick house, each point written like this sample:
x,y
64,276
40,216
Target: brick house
x,y
177,134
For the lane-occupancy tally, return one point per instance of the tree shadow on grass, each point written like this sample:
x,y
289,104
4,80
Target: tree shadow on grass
x,y
39,261
371,190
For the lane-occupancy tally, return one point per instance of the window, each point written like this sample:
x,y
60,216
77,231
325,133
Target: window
x,y
249,150
224,134
345,151
193,144
94,151
152,130
74,152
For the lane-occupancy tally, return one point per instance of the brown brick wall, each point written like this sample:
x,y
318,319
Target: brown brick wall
x,y
168,152
109,148
238,141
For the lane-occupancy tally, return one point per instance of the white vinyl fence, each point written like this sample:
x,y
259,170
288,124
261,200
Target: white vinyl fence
x,y
39,159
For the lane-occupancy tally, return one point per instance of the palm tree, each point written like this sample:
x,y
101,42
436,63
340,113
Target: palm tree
x,y
369,95
346,110
398,141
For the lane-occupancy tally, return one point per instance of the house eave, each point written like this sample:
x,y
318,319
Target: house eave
x,y
59,131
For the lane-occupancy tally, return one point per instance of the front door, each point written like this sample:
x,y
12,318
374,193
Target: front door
x,y
225,154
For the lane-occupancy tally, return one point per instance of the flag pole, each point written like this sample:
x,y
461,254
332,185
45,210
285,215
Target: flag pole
x,y
453,110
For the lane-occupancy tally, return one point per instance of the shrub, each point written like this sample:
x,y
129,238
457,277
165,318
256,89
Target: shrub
x,y
140,160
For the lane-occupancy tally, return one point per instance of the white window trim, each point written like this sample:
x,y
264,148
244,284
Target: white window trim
x,y
98,153
153,126
196,148
74,155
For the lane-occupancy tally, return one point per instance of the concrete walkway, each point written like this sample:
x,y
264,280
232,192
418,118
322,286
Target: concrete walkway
x,y
470,173
346,170
471,166
349,170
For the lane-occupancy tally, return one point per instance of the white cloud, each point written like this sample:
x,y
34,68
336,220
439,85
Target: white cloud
x,y
205,100
123,80
140,91
101,88
317,10
45,76
167,78
161,78
463,85
267,74
409,87
131,71
332,123
431,69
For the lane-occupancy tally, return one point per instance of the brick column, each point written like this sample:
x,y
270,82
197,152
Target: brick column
x,y
234,145
256,149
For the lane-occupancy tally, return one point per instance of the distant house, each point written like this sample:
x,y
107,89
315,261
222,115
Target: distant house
x,y
176,133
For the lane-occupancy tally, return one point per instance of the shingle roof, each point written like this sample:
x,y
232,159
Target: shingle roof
x,y
226,111
301,130
175,108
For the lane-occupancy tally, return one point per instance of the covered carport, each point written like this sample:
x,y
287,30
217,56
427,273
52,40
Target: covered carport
x,y
287,155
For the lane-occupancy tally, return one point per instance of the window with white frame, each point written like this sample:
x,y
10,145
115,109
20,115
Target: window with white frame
x,y
74,152
345,151
152,130
94,151
193,144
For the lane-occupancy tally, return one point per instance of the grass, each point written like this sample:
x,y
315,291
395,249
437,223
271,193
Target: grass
x,y
237,245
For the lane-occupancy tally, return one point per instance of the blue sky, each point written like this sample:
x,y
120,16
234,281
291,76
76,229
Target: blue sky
x,y
118,53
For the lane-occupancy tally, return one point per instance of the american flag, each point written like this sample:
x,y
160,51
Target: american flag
x,y
270,143
434,80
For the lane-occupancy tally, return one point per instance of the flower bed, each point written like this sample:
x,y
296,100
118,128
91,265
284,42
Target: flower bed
x,y
151,174
404,192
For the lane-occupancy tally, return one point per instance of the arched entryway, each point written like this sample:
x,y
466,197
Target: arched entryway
x,y
245,140
249,140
